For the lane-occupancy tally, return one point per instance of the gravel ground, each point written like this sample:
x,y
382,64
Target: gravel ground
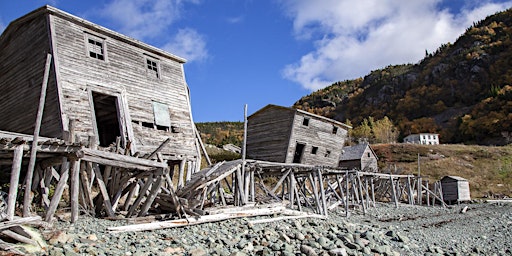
x,y
484,229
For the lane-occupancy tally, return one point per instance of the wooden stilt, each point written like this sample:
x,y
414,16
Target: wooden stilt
x,y
27,199
75,183
57,195
15,177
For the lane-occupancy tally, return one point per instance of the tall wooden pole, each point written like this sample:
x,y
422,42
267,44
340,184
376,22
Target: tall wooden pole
x,y
419,181
15,177
27,199
246,177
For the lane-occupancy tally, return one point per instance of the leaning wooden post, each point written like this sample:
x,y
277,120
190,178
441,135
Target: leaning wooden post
x,y
181,174
15,178
346,195
419,181
57,195
74,190
244,143
393,190
322,195
428,195
27,199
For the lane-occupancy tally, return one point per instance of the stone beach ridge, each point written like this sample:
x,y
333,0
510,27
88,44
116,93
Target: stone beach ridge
x,y
484,229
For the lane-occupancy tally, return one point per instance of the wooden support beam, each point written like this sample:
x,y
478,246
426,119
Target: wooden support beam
x,y
117,160
57,195
86,188
393,195
322,192
15,177
155,187
153,154
181,174
104,192
75,183
281,181
141,196
27,199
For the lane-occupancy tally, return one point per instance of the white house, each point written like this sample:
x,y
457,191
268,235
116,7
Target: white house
x,y
423,138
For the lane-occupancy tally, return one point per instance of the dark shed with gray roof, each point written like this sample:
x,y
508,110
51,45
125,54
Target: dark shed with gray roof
x,y
361,157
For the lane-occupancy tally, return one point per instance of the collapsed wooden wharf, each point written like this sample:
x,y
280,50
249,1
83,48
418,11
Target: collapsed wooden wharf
x,y
112,183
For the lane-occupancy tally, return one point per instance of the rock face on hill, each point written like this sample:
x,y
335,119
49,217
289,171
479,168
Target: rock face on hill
x,y
462,91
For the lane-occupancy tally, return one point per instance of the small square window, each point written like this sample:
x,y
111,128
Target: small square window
x,y
327,153
305,122
334,130
314,150
152,68
96,48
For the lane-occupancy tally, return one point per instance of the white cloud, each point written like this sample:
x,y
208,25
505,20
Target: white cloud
x,y
144,18
234,20
352,38
189,44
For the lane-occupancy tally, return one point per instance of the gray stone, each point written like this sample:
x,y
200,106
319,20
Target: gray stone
x,y
322,241
238,253
309,251
198,252
338,252
300,236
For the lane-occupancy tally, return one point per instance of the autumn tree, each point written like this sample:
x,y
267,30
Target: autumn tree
x,y
384,131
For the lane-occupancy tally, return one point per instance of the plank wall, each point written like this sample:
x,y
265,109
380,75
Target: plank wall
x,y
123,73
318,133
268,134
23,48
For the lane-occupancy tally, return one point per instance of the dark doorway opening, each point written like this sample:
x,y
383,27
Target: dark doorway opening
x,y
299,150
107,119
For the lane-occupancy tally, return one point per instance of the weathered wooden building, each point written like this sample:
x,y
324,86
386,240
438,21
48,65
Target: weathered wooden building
x,y
287,135
360,157
108,84
455,189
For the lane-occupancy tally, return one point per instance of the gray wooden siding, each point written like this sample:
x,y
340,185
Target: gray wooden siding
x,y
23,50
350,164
368,161
268,135
123,72
456,191
317,134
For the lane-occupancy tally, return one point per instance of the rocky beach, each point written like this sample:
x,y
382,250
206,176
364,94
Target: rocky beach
x,y
467,229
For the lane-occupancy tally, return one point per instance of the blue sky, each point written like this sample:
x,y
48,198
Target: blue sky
x,y
260,52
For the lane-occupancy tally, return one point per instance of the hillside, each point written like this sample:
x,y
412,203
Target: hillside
x,y
488,169
221,133
462,91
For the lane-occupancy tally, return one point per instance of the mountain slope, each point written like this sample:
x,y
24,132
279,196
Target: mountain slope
x,y
462,91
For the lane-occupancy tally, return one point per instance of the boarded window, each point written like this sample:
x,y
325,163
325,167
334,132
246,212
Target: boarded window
x,y
96,48
161,112
152,68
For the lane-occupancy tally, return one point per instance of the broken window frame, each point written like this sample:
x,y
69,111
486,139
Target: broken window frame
x,y
152,66
93,43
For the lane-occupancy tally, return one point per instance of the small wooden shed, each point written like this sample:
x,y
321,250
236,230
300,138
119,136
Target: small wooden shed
x,y
455,189
360,156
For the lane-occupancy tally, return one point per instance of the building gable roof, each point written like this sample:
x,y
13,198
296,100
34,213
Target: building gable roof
x,y
355,152
47,9
456,178
325,119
